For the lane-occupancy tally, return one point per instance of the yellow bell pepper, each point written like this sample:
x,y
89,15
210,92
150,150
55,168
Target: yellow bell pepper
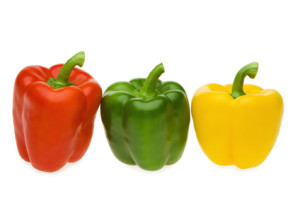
x,y
237,124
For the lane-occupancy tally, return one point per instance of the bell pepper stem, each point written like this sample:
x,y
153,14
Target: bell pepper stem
x,y
238,83
148,89
64,74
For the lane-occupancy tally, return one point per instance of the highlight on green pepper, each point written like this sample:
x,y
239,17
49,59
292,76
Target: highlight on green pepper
x,y
146,120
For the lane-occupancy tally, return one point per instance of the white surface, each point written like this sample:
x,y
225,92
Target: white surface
x,y
199,42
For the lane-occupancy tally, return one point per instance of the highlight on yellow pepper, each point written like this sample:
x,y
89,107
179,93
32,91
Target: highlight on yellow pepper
x,y
237,124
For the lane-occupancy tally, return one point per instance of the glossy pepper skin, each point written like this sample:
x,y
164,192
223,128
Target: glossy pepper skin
x,y
146,120
54,118
237,124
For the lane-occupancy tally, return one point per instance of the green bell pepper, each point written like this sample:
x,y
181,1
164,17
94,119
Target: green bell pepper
x,y
146,120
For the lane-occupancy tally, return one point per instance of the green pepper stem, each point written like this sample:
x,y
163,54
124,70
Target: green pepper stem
x,y
148,89
65,71
238,83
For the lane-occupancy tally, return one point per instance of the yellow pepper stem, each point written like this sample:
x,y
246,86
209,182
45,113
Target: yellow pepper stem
x,y
238,83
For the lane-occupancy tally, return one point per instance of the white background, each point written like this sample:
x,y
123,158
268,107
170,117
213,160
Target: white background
x,y
199,42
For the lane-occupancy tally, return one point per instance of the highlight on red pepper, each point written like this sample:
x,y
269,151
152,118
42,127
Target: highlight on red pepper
x,y
53,112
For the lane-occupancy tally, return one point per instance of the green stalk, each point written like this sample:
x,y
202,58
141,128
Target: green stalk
x,y
148,89
238,83
64,73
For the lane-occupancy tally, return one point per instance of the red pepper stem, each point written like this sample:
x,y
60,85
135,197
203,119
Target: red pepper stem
x,y
238,83
65,71
148,89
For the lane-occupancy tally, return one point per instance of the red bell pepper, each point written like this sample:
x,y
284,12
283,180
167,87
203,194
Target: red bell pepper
x,y
54,117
